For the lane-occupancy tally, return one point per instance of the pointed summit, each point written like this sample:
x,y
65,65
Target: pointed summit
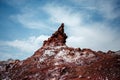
x,y
58,38
61,28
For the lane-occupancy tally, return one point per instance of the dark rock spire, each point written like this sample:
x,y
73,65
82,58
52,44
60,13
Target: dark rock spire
x,y
58,38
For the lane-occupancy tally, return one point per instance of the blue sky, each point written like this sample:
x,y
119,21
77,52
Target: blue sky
x,y
25,24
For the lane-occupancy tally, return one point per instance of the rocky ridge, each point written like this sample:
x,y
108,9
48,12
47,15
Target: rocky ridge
x,y
56,61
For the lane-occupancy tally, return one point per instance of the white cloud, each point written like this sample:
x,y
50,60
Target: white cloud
x,y
64,14
32,18
5,55
21,49
27,16
28,20
94,38
94,35
107,8
29,45
97,35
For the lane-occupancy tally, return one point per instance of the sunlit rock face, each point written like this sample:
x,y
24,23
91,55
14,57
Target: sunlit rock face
x,y
56,61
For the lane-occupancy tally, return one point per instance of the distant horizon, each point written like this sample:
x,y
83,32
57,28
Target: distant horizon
x,y
25,24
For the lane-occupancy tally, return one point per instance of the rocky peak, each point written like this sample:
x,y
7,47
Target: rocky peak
x,y
58,38
56,61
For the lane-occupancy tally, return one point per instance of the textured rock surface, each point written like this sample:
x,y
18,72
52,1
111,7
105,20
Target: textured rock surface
x,y
56,61
57,39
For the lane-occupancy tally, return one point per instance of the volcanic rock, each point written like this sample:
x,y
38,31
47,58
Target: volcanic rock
x,y
56,61
57,39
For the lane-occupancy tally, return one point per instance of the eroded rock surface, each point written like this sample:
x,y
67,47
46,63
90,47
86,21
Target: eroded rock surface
x,y
56,61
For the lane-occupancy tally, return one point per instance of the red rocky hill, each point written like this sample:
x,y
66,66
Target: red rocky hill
x,y
56,61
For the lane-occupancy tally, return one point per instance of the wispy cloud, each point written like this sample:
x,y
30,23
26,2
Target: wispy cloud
x,y
64,14
28,45
87,23
95,35
25,48
9,55
30,19
107,8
